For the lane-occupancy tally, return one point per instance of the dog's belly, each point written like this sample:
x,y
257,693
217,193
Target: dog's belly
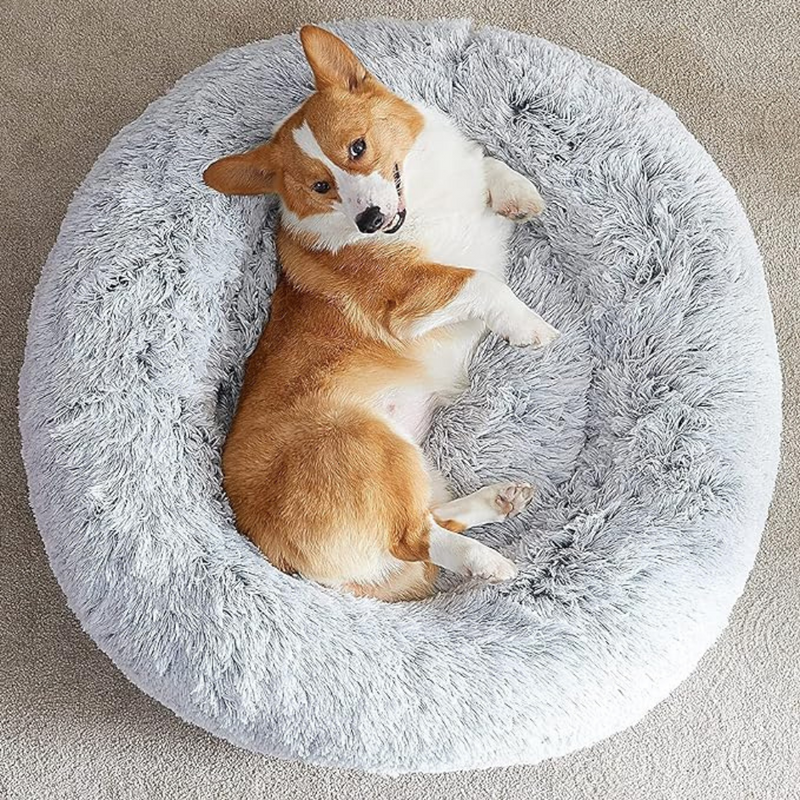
x,y
445,360
409,411
480,244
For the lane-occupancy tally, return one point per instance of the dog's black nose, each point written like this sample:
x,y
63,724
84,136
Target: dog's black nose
x,y
370,220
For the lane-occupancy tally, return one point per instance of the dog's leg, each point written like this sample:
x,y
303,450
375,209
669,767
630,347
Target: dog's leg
x,y
482,296
510,194
466,556
414,581
491,504
428,541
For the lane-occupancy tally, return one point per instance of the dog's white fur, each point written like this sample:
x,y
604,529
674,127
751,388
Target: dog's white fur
x,y
460,206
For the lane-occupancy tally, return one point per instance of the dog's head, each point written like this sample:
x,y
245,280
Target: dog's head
x,y
337,161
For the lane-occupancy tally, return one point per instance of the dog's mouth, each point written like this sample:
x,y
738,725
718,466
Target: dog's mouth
x,y
400,217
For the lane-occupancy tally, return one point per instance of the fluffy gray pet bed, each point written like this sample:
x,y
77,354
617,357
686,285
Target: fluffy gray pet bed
x,y
651,427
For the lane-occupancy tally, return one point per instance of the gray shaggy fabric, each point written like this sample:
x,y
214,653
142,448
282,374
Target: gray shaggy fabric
x,y
651,427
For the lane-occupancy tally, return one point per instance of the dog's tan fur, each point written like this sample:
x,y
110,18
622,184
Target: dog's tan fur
x,y
317,478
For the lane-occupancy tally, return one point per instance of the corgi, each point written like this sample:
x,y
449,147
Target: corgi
x,y
392,243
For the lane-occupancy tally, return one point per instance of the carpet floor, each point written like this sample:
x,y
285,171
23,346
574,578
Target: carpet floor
x,y
71,726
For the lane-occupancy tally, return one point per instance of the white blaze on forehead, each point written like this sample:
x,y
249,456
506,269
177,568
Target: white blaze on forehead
x,y
308,143
357,192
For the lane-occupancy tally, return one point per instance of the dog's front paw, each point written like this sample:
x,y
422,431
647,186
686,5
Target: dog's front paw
x,y
517,198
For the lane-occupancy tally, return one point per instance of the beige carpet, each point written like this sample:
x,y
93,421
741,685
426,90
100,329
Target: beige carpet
x,y
71,73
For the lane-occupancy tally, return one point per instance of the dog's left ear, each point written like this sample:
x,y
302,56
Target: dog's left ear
x,y
254,172
331,60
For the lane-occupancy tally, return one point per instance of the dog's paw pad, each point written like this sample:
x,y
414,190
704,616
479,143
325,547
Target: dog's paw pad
x,y
511,498
520,211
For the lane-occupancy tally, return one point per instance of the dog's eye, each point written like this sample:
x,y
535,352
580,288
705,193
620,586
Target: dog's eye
x,y
321,187
357,148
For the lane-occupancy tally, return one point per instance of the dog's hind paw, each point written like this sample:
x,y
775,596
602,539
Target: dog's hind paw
x,y
485,563
511,498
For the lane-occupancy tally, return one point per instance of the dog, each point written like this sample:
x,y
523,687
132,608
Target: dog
x,y
392,243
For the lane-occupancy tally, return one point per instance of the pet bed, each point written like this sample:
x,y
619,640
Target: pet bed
x,y
651,427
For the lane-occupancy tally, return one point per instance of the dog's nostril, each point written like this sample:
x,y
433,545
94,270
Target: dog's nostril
x,y
369,220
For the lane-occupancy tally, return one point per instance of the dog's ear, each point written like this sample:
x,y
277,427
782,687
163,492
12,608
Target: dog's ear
x,y
332,61
254,172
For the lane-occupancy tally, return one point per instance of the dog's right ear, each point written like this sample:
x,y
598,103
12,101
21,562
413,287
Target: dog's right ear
x,y
331,60
254,172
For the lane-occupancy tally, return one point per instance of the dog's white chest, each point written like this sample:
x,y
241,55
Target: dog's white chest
x,y
447,199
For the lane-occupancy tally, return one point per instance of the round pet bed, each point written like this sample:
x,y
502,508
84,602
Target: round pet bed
x,y
651,427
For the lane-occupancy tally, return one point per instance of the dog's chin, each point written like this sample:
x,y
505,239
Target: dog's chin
x,y
396,222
